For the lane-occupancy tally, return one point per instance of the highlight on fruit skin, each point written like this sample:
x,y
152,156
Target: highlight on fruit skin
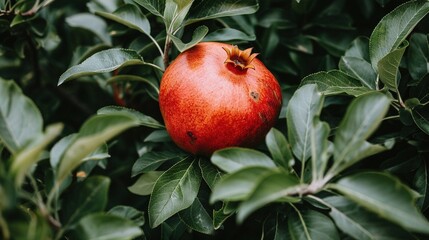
x,y
208,103
239,58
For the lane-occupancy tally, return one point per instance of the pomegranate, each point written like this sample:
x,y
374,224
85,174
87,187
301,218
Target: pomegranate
x,y
214,96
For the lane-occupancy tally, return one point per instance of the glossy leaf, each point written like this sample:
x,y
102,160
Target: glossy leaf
x,y
394,28
359,69
130,16
129,213
91,23
271,188
350,143
208,9
89,196
421,183
359,48
305,104
197,218
174,191
235,158
359,223
388,67
420,116
279,148
309,224
103,226
156,7
335,82
20,119
144,120
320,148
152,160
418,56
144,184
228,34
198,35
210,173
29,155
101,62
220,216
239,184
386,196
94,132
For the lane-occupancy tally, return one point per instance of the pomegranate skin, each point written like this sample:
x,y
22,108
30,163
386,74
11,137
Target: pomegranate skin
x,y
208,104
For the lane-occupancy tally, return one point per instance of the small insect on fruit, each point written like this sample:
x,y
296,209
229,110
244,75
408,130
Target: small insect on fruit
x,y
214,96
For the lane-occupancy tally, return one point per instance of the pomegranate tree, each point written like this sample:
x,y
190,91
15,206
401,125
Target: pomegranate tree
x,y
215,95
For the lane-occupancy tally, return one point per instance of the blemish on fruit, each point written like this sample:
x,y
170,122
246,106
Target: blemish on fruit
x,y
192,137
263,117
254,95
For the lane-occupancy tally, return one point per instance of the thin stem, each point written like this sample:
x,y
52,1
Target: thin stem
x,y
4,228
167,47
377,82
154,66
157,45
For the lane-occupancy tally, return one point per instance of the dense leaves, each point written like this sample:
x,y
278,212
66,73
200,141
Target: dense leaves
x,y
84,153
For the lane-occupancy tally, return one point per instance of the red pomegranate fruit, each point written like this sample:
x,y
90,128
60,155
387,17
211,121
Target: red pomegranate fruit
x,y
214,96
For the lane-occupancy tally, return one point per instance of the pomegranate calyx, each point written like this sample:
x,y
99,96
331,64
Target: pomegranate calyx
x,y
240,58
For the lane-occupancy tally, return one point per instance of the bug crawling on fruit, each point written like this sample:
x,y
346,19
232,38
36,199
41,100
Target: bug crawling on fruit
x,y
215,95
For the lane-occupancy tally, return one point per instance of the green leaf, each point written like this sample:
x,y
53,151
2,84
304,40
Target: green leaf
x,y
309,224
221,215
208,9
26,157
130,16
235,158
175,13
350,143
279,148
59,148
129,213
418,56
239,184
320,148
175,190
210,173
101,62
421,183
87,197
271,188
198,35
152,160
420,116
359,48
91,23
143,119
386,196
394,28
305,104
359,223
197,218
103,226
335,82
144,185
94,132
228,34
156,7
388,67
20,119
359,69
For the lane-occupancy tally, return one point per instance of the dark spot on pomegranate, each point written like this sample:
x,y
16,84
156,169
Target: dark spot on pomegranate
x,y
254,95
192,137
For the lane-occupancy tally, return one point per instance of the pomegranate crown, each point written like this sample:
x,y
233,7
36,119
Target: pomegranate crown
x,y
241,59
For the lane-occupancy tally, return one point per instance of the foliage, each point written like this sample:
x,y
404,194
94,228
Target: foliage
x,y
84,153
